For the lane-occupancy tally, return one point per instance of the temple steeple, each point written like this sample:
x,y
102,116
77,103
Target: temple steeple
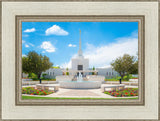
x,y
80,49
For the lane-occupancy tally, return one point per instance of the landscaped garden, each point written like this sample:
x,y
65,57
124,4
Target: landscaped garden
x,y
34,77
34,91
125,78
127,92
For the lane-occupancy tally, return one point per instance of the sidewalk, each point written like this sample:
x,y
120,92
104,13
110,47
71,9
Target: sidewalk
x,y
84,93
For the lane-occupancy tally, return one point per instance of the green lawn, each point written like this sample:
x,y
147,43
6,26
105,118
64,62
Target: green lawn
x,y
125,78
46,80
35,97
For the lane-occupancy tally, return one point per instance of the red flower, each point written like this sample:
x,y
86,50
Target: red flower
x,y
31,93
45,93
126,93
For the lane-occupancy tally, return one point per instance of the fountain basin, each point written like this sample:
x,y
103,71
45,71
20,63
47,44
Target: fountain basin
x,y
80,84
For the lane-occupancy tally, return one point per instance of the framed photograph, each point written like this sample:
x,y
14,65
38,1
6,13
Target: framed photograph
x,y
90,77
80,60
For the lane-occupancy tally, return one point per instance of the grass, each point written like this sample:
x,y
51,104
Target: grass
x,y
113,80
125,78
46,80
35,97
56,67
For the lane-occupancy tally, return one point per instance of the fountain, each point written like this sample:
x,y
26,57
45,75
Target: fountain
x,y
79,77
79,64
80,83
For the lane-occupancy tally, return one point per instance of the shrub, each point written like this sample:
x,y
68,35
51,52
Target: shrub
x,y
32,75
43,75
125,78
35,79
67,73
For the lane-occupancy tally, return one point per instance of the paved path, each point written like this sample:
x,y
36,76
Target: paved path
x,y
78,93
86,93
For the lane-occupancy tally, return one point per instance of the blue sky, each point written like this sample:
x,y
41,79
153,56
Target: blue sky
x,y
102,42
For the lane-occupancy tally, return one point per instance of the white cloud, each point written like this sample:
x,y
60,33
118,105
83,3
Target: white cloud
x,y
134,34
56,30
25,35
69,63
23,41
102,56
71,45
31,44
47,46
26,45
24,55
30,30
66,65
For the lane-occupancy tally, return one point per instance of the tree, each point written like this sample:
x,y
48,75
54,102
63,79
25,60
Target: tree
x,y
124,65
134,69
35,63
93,70
67,73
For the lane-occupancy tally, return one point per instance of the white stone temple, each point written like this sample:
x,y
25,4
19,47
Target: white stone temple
x,y
80,64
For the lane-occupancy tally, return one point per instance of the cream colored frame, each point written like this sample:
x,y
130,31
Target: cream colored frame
x,y
148,9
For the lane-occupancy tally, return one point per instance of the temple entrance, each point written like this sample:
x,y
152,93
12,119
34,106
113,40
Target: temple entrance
x,y
80,67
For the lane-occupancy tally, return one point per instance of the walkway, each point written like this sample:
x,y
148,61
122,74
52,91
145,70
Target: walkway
x,y
90,93
85,93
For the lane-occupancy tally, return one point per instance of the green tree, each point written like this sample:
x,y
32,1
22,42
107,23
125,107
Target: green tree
x,y
35,63
93,70
134,69
124,65
67,73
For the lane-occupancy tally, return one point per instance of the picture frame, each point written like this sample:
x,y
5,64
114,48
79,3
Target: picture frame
x,y
20,19
12,50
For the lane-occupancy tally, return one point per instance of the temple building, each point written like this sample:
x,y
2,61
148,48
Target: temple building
x,y
80,64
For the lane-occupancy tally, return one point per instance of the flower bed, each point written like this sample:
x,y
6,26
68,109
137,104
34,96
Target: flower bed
x,y
127,92
33,91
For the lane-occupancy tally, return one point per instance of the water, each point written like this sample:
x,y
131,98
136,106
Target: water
x,y
79,77
77,81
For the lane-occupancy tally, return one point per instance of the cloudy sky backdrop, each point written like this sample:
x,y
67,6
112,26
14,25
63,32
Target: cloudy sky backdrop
x,y
102,42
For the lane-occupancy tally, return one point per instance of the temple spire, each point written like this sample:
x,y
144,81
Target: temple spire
x,y
80,49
